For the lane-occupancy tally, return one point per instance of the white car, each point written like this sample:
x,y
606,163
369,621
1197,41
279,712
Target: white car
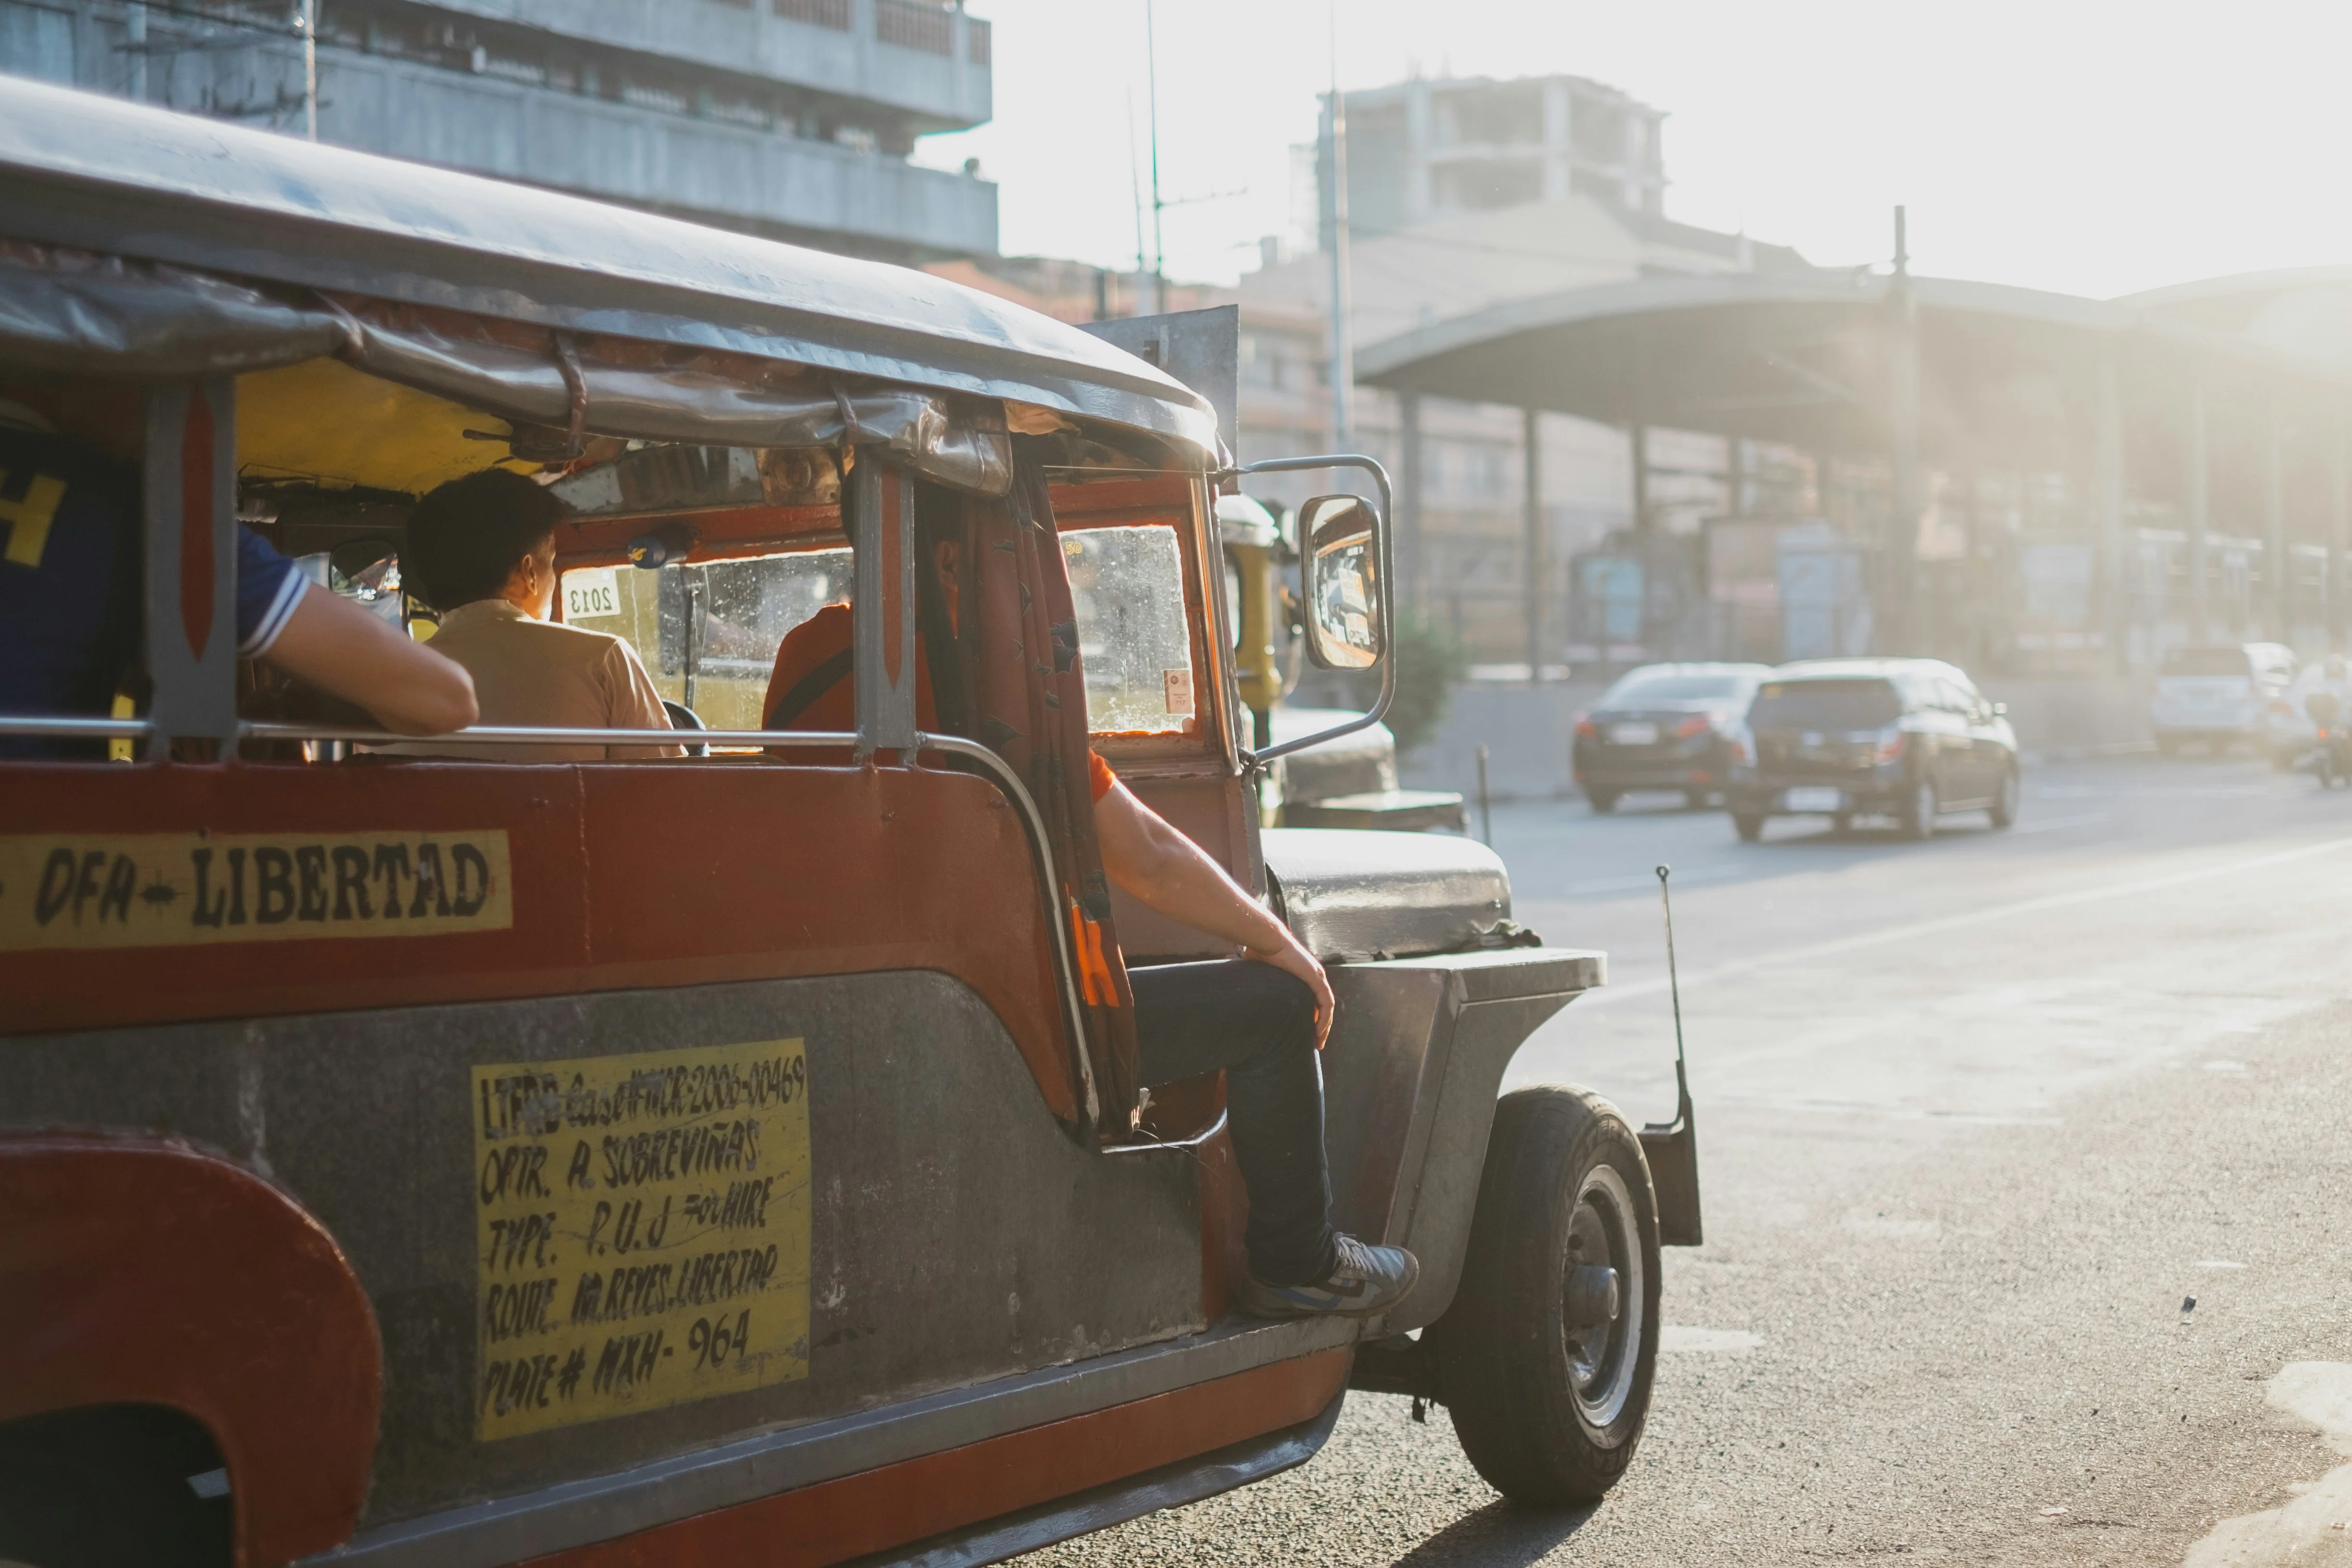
x,y
2218,693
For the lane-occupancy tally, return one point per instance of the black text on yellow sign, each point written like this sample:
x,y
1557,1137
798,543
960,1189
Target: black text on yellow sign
x,y
641,1232
171,890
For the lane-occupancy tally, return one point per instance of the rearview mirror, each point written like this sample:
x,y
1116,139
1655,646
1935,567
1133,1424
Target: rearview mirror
x,y
1340,560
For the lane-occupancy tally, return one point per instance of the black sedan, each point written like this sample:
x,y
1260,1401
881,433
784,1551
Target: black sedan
x,y
1664,726
1906,738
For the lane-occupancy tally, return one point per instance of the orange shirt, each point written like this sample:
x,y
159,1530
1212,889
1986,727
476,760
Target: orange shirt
x,y
810,686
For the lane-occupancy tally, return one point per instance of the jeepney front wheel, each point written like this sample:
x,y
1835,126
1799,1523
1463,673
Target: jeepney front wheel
x,y
1546,1354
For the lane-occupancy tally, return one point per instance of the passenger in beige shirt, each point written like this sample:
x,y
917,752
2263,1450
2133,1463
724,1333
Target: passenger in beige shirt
x,y
481,549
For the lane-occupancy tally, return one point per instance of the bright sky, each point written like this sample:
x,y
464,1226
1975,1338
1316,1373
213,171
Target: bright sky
x,y
2095,148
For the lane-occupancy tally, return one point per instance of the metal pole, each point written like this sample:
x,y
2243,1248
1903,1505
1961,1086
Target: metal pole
x,y
2116,603
2339,541
1903,526
1159,249
2275,516
1486,806
1409,488
2200,480
1343,349
135,40
1640,435
310,67
1531,441
1135,190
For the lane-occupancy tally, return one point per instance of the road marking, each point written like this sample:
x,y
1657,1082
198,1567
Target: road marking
x,y
2217,1263
2057,822
2317,1394
2039,904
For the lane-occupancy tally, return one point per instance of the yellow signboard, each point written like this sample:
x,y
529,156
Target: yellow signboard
x,y
171,889
641,1231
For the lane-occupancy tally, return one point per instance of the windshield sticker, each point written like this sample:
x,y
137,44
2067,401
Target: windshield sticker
x,y
589,591
175,890
641,1232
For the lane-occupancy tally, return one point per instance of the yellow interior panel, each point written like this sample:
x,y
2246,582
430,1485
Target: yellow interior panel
x,y
324,420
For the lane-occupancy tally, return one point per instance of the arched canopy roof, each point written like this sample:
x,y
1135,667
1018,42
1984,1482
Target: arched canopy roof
x,y
2007,375
82,170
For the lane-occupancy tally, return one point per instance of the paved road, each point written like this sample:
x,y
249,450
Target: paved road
x,y
1977,1115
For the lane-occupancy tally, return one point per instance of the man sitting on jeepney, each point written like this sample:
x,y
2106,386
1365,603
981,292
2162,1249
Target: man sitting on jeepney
x,y
1259,1018
481,551
69,589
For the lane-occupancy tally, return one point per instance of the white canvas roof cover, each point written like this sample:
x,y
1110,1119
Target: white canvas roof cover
x,y
83,171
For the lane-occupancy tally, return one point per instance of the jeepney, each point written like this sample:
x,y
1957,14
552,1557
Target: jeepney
x,y
734,1158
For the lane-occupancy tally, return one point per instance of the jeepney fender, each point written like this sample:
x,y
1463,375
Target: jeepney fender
x,y
1416,1058
141,1269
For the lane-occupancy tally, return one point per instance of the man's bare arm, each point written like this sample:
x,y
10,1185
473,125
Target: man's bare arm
x,y
347,652
1166,871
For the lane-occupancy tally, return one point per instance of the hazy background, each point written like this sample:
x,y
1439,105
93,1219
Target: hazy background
x,y
2096,148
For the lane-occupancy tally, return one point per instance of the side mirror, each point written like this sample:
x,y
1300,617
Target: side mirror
x,y
1340,560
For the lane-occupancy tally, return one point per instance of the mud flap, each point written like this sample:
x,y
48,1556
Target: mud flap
x,y
1672,1150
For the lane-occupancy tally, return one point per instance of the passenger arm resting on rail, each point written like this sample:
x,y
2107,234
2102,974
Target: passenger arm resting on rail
x,y
347,652
1166,871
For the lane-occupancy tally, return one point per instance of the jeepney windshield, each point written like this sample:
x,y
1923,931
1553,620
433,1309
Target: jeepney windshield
x,y
742,610
1134,642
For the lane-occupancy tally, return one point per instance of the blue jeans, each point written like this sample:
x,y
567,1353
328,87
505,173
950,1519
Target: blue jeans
x,y
1256,1024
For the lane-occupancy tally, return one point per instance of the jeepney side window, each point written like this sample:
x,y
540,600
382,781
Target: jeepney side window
x,y
1134,642
742,610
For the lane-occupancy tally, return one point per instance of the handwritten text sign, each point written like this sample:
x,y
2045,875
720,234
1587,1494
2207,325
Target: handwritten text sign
x,y
170,889
641,1231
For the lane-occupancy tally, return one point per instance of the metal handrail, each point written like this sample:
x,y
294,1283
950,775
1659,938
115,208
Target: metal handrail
x,y
77,729
997,768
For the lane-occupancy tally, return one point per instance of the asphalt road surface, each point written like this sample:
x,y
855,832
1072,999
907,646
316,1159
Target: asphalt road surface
x,y
1976,1117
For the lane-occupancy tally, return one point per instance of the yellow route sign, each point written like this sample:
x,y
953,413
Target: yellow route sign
x,y
641,1231
172,889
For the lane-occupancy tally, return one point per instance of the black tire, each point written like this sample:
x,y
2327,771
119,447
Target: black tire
x,y
2003,810
1547,1416
1920,807
1749,825
1602,799
108,1486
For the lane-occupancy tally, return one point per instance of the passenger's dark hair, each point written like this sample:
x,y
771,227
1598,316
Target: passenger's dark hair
x,y
466,537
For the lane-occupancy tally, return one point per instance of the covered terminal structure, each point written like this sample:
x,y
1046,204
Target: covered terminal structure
x,y
2024,482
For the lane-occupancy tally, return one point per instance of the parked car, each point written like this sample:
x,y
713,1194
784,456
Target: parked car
x,y
2214,694
1664,726
1908,738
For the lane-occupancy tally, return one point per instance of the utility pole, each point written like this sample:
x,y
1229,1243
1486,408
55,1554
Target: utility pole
x,y
1903,411
1343,351
1158,248
1135,190
310,67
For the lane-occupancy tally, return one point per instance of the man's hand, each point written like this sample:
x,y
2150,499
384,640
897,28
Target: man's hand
x,y
1292,958
1167,871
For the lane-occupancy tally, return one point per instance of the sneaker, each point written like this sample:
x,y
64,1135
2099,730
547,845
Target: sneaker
x,y
1364,1282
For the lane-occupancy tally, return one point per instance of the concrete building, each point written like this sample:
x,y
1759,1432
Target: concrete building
x,y
1465,196
792,119
1422,151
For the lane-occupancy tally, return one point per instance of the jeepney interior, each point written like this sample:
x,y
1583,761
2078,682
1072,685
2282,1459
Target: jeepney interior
x,y
705,558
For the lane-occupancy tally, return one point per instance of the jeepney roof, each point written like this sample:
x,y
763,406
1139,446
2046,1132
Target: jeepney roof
x,y
78,169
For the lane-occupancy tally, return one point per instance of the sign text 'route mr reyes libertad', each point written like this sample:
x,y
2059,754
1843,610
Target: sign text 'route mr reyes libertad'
x,y
642,1231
